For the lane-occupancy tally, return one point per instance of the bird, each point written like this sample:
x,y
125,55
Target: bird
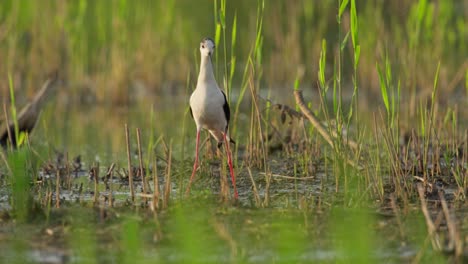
x,y
29,114
210,109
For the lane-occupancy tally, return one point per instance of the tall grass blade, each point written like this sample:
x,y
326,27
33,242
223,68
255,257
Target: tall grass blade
x,y
343,5
383,89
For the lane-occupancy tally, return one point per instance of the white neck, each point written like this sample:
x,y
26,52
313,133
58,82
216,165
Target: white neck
x,y
206,70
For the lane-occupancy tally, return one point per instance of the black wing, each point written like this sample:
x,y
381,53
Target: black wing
x,y
227,111
191,113
227,114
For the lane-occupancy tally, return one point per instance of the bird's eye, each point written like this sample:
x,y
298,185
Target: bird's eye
x,y
203,46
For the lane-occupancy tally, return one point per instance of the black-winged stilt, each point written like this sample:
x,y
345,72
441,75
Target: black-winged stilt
x,y
210,109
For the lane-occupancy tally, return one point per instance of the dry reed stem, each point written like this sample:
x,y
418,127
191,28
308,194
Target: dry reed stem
x,y
419,255
255,190
155,204
223,179
266,200
167,184
459,76
110,172
259,122
95,170
316,123
140,157
49,197
57,189
5,161
129,160
288,177
435,239
224,193
321,129
145,195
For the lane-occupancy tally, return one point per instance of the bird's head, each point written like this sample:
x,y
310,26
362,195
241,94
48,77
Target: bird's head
x,y
207,47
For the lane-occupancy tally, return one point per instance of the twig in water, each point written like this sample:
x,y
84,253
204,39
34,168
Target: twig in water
x,y
288,177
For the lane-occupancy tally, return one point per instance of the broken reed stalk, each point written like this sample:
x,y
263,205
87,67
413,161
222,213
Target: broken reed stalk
x,y
140,157
321,129
155,185
110,172
311,117
167,183
57,189
266,200
129,159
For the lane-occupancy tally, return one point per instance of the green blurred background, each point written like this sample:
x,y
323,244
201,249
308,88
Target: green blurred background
x,y
117,51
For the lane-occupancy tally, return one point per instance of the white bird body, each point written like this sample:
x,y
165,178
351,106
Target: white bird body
x,y
209,107
207,104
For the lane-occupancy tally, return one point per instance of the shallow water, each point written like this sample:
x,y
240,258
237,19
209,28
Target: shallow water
x,y
294,220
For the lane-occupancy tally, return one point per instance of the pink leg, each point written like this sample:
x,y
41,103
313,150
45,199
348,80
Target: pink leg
x,y
195,164
231,170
